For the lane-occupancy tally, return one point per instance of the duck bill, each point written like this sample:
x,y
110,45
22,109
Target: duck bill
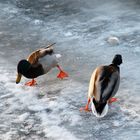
x,y
18,78
96,113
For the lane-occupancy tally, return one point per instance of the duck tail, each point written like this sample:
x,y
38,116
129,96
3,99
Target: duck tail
x,y
99,106
49,45
46,50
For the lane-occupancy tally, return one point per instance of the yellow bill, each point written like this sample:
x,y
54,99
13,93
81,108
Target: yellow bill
x,y
18,78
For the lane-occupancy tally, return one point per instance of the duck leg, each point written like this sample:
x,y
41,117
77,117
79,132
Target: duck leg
x,y
62,74
86,108
31,83
111,100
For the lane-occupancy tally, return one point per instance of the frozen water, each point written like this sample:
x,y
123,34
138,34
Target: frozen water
x,y
80,29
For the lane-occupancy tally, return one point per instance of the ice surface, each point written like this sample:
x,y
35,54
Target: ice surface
x,y
80,29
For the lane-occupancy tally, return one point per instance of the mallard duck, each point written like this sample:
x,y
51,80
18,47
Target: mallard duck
x,y
104,84
39,63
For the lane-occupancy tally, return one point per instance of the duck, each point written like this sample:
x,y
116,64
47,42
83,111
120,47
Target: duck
x,y
103,86
38,63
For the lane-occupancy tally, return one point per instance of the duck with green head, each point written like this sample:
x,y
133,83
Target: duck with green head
x,y
39,63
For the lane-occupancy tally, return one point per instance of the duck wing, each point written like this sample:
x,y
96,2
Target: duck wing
x,y
92,88
104,83
34,56
108,82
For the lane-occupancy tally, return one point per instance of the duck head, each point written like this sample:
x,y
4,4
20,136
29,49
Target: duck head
x,y
117,60
22,67
99,109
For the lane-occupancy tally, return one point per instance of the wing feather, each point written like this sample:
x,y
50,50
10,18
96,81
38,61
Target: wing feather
x,y
36,55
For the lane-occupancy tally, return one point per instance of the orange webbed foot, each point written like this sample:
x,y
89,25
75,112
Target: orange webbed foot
x,y
31,83
112,100
62,75
86,109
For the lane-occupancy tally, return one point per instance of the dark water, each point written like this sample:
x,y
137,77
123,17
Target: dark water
x,y
80,29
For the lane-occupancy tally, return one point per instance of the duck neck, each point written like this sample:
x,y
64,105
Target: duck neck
x,y
115,66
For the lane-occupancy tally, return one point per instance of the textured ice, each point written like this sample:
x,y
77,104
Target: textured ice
x,y
80,29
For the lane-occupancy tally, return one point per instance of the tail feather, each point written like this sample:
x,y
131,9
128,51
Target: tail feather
x,y
46,50
99,106
50,45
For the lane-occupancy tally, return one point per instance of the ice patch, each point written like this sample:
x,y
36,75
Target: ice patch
x,y
6,96
11,10
137,50
53,130
36,107
38,22
113,40
22,117
116,123
131,111
58,55
68,34
8,135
